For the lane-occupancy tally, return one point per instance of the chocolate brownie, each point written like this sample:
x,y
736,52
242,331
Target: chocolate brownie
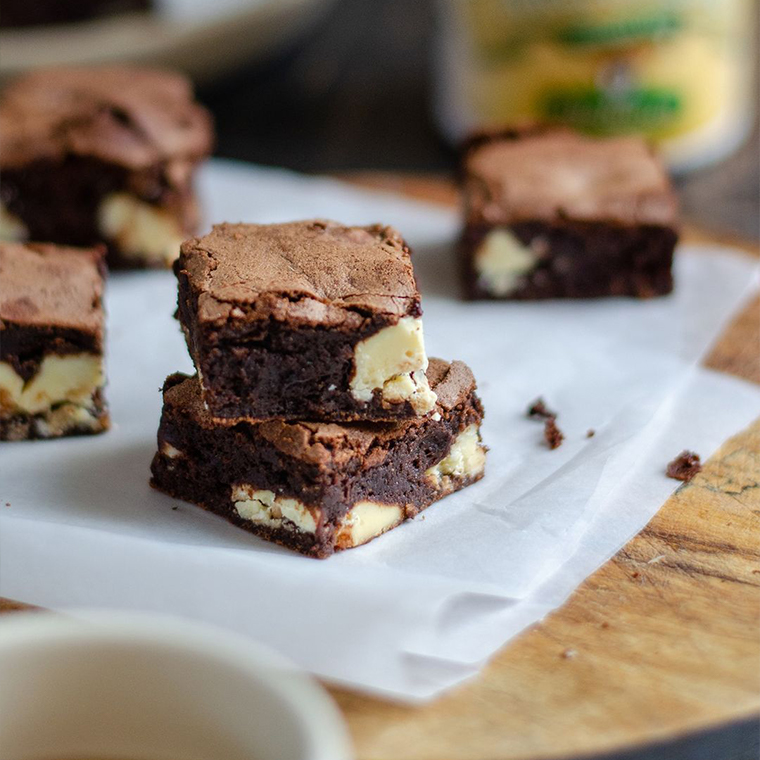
x,y
51,341
320,487
550,213
102,155
305,321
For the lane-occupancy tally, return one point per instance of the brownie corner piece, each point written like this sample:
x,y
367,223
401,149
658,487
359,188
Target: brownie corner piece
x,y
550,213
51,342
102,154
319,487
305,320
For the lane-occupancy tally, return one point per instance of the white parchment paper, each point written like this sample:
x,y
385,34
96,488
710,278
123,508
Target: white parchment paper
x,y
421,608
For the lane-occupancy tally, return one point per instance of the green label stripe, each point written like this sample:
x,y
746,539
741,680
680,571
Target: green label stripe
x,y
646,27
593,110
512,45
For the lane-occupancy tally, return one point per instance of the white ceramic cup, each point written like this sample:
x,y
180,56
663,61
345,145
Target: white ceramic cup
x,y
142,687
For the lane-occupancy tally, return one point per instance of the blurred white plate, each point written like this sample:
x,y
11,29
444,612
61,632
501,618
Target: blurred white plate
x,y
202,38
151,686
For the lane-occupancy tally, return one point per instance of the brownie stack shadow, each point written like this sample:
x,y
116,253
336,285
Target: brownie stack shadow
x,y
315,419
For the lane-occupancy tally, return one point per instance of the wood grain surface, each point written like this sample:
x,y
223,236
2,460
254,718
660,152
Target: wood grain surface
x,y
662,641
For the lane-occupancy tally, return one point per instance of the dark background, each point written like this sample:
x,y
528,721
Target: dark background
x,y
356,93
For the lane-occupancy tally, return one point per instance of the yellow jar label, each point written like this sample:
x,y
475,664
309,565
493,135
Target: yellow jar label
x,y
665,68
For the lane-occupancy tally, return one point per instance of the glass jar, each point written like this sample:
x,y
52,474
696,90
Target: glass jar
x,y
677,71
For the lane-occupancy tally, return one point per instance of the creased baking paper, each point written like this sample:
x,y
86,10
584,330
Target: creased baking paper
x,y
422,608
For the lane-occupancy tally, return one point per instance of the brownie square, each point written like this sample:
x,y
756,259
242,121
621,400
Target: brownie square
x,y
93,155
550,213
307,320
51,342
320,487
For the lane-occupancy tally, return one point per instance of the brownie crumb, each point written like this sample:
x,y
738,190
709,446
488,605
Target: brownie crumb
x,y
539,411
685,466
7,504
590,433
552,434
174,508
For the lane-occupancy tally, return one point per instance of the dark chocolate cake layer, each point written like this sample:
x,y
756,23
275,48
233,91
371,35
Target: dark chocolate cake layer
x,y
61,201
577,260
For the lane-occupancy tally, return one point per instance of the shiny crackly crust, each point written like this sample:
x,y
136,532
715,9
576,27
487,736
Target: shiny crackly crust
x,y
551,173
123,115
314,272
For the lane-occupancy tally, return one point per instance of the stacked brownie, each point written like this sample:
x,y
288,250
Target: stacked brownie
x,y
550,213
315,419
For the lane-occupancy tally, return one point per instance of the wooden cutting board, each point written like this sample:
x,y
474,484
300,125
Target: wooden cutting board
x,y
662,641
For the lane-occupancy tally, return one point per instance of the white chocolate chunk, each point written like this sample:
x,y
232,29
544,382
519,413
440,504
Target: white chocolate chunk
x,y
72,378
466,459
266,508
142,231
393,360
501,260
57,422
170,452
412,387
12,229
365,520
